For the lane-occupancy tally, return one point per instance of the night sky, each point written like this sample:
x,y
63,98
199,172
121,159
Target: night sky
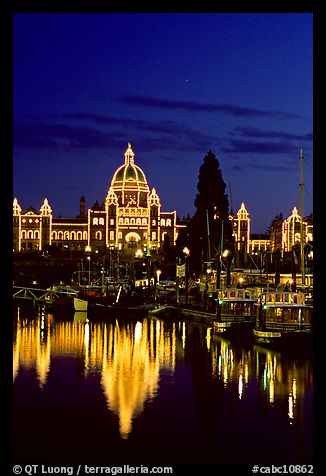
x,y
175,86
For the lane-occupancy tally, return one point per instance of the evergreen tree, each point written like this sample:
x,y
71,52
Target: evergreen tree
x,y
211,216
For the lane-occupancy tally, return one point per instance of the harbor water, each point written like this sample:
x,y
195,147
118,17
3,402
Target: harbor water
x,y
143,390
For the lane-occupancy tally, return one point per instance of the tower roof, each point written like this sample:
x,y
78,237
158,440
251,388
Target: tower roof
x,y
129,177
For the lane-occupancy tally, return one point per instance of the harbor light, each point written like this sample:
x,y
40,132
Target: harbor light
x,y
186,251
139,253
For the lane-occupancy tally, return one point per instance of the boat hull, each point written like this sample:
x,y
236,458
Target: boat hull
x,y
80,304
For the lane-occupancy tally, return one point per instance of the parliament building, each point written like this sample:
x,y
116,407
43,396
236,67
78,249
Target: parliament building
x,y
130,217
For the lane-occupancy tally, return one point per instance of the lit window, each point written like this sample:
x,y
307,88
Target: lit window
x,y
168,222
162,222
119,235
126,221
138,221
153,222
79,235
101,221
120,221
98,235
154,235
95,221
111,221
23,234
36,234
111,235
144,221
73,235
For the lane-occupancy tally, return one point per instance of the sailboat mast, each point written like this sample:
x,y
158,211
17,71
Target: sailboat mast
x,y
303,277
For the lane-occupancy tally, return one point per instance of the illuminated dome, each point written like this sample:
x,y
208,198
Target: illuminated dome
x,y
129,182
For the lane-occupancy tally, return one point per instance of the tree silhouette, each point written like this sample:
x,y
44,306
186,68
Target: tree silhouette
x,y
212,214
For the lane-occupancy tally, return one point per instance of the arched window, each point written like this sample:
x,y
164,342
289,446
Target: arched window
x,y
138,221
120,221
98,235
23,235
95,221
66,235
101,221
144,221
36,235
119,235
168,222
85,235
30,234
60,235
126,221
112,235
162,221
73,235
79,235
54,235
132,221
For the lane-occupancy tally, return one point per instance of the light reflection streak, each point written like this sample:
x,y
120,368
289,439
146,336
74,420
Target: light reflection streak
x,y
129,357
280,379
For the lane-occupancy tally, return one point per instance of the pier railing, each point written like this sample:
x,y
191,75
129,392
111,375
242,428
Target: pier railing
x,y
41,295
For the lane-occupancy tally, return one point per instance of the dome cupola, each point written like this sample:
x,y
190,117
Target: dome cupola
x,y
129,182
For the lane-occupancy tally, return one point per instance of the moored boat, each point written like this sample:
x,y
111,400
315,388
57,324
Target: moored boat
x,y
164,311
234,306
282,317
80,304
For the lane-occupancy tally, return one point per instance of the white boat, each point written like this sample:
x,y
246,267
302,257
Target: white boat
x,y
80,304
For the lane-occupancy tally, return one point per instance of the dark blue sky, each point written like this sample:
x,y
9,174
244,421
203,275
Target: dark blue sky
x,y
175,86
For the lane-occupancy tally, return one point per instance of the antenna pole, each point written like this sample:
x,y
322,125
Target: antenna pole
x,y
303,277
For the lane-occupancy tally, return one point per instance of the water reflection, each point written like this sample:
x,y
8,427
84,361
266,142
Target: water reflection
x,y
133,357
281,379
129,356
212,390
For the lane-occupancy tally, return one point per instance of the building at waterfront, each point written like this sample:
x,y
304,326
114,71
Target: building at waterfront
x,y
129,217
284,233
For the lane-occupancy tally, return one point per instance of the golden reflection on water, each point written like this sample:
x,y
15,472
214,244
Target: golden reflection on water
x,y
282,381
129,356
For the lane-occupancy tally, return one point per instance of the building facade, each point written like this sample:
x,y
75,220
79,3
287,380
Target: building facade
x,y
284,234
129,217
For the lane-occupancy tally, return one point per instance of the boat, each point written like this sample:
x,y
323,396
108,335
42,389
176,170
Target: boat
x,y
282,316
80,304
164,311
234,307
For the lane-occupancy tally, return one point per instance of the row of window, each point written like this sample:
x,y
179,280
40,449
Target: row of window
x,y
72,235
132,221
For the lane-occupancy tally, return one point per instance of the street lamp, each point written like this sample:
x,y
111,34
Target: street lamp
x,y
186,252
88,249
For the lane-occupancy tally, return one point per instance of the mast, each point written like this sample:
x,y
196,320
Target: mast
x,y
303,277
231,207
208,241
